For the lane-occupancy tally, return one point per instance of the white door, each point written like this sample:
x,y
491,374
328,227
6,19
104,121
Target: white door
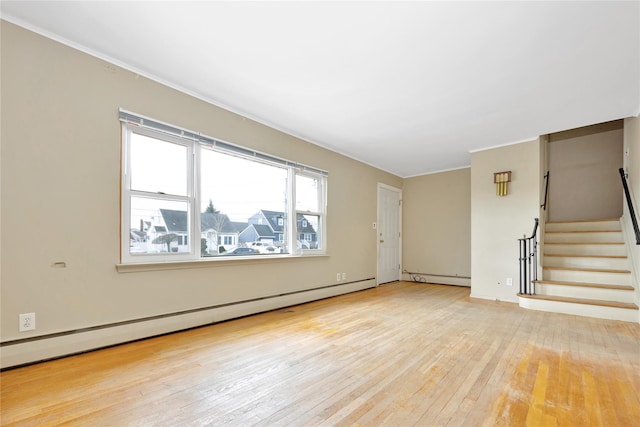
x,y
389,221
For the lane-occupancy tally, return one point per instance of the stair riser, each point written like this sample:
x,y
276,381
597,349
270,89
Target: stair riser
x,y
587,277
599,236
600,312
586,225
584,249
617,295
577,262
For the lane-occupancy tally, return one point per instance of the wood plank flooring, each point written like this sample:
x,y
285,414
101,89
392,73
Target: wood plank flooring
x,y
402,354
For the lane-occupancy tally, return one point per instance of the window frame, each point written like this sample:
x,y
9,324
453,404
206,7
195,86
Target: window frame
x,y
128,193
320,213
195,142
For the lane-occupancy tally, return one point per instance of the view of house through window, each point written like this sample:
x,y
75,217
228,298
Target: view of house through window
x,y
242,201
184,199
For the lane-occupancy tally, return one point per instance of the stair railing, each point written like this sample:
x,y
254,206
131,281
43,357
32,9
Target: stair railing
x,y
529,261
632,212
546,191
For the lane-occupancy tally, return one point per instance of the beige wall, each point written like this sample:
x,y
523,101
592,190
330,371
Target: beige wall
x,y
436,219
632,168
632,154
60,201
497,222
583,168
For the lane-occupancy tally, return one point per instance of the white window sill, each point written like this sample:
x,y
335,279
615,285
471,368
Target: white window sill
x,y
211,262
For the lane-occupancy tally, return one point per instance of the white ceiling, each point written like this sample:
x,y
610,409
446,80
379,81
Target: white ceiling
x,y
409,87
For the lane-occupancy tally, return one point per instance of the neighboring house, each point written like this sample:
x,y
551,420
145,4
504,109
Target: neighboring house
x,y
305,233
274,220
219,232
168,232
257,233
240,226
138,240
154,232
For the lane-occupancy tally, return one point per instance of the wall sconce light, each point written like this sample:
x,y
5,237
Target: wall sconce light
x,y
502,179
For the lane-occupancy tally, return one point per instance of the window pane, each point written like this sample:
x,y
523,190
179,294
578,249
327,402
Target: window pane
x,y
307,189
158,226
243,206
308,231
158,166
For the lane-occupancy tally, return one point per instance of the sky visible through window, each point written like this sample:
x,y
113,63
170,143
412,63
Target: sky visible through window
x,y
240,188
236,186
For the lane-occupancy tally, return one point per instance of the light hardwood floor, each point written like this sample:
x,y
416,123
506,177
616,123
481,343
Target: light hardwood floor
x,y
401,354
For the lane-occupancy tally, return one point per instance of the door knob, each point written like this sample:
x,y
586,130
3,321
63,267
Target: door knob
x,y
381,241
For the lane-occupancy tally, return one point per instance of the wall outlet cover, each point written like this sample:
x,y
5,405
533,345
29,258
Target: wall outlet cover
x,y
27,322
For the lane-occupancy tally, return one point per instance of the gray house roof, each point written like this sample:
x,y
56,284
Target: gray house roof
x,y
176,222
254,232
217,222
263,230
272,220
240,226
300,222
138,235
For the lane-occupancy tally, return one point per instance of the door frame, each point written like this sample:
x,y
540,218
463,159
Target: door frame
x,y
399,191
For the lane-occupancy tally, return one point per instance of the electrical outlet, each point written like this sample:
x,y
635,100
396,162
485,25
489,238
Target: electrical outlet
x,y
344,276
27,322
509,281
338,277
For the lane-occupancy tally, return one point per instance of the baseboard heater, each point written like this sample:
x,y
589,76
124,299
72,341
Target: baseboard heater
x,y
24,351
420,277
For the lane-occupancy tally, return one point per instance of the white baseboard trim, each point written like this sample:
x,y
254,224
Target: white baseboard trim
x,y
36,349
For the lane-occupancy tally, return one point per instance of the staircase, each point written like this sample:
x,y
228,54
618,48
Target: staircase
x,y
585,272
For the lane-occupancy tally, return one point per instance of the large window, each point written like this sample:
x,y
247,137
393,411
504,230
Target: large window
x,y
187,196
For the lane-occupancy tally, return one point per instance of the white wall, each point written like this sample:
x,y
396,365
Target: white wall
x,y
497,222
